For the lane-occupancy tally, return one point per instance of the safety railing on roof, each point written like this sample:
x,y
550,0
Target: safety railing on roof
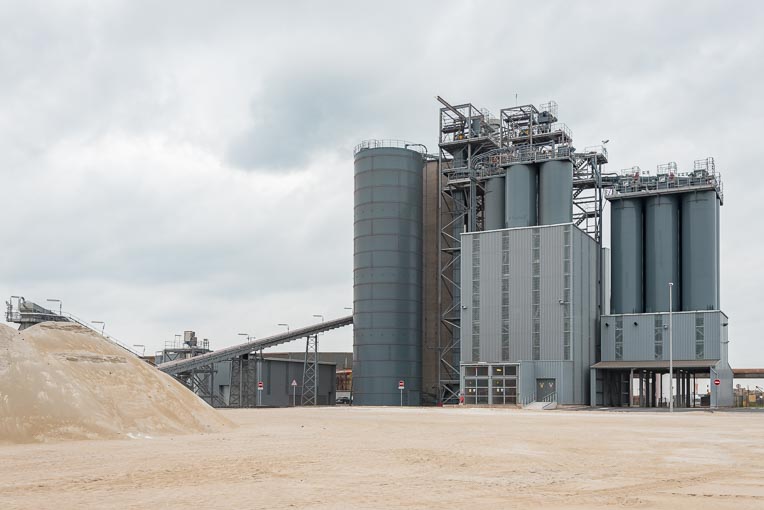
x,y
634,180
493,162
397,144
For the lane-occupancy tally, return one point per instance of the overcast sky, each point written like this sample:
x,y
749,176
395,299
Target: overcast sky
x,y
188,165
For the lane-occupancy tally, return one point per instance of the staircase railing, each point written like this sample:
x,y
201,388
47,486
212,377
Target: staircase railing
x,y
110,338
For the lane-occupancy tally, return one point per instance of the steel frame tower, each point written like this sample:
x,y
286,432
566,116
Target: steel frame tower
x,y
310,372
475,146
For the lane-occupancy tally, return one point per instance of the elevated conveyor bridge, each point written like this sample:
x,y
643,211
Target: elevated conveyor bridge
x,y
189,364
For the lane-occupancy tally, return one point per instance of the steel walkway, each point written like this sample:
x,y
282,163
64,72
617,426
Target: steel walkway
x,y
184,365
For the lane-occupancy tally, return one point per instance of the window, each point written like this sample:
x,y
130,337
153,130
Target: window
x,y
700,344
566,304
658,337
619,338
490,384
505,296
536,294
475,298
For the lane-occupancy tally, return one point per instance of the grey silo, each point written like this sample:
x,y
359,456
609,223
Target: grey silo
x,y
493,207
627,262
555,192
718,260
521,199
700,263
387,271
662,253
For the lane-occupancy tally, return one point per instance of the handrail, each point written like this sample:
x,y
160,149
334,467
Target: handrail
x,y
110,338
388,143
552,397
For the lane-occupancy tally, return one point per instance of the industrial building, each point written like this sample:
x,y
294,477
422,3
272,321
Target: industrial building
x,y
243,376
665,238
236,376
480,274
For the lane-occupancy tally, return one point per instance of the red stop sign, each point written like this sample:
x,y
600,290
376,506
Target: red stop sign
x,y
717,382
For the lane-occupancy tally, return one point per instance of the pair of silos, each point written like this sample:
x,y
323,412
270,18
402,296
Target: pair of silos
x,y
660,239
387,276
530,194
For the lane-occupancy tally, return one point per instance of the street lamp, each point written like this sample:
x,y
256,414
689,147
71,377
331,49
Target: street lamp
x,y
284,324
56,301
102,323
671,347
318,315
249,338
143,348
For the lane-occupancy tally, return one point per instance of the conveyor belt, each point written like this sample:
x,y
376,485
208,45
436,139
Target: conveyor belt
x,y
184,365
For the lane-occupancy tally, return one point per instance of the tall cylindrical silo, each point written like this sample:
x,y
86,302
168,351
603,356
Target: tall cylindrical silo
x,y
493,206
522,190
718,258
700,265
626,235
555,192
662,253
387,273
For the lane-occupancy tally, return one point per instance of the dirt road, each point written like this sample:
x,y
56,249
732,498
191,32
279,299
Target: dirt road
x,y
406,458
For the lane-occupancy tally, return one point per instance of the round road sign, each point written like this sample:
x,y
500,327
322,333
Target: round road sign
x,y
259,385
717,382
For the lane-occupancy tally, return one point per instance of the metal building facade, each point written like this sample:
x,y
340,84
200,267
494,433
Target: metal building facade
x,y
529,297
699,338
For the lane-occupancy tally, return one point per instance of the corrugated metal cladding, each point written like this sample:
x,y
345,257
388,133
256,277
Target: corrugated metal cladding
x,y
387,271
494,215
661,252
536,285
700,256
696,335
555,196
626,236
560,371
661,239
521,195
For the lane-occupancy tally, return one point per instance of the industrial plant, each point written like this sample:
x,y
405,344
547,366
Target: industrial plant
x,y
481,276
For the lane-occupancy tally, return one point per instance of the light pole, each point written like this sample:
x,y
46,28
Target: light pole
x,y
319,316
143,348
249,338
56,301
284,324
102,323
671,347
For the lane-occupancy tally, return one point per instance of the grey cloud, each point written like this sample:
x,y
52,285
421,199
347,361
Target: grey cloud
x,y
181,164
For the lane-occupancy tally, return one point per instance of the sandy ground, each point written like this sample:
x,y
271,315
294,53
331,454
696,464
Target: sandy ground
x,y
406,458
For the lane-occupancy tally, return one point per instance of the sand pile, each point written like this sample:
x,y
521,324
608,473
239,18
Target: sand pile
x,y
62,381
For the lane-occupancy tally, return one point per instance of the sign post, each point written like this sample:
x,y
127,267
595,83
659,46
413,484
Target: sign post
x,y
401,387
294,392
259,393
